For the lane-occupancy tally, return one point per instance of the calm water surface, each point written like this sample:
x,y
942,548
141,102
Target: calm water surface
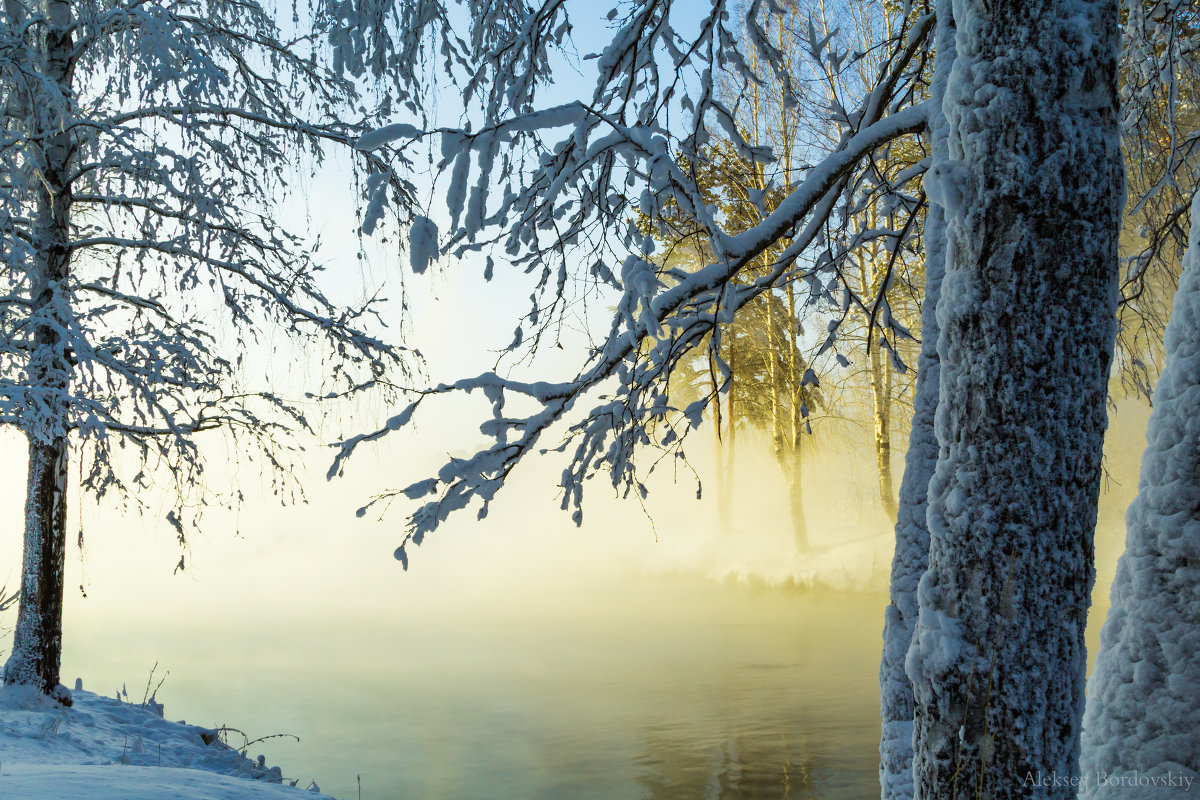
x,y
671,690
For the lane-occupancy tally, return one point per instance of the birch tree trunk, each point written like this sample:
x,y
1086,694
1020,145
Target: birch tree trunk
x,y
37,639
724,521
871,284
795,488
785,430
1141,734
720,461
795,472
1033,196
911,557
881,392
729,445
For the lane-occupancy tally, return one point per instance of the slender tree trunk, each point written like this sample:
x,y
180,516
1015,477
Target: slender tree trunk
x,y
1027,319
730,449
795,488
796,471
1143,708
911,557
871,283
881,391
874,282
37,640
785,441
773,353
724,520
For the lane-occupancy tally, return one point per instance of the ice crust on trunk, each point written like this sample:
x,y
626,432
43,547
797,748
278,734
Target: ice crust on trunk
x,y
912,533
1143,714
1026,329
37,639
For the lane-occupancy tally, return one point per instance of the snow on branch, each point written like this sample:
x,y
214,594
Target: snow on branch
x,y
1160,90
567,185
147,148
591,182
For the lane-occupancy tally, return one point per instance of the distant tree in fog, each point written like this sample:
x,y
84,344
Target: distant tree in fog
x,y
777,367
558,191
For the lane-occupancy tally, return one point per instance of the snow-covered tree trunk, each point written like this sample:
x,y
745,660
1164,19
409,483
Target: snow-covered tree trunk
x,y
1141,735
1033,196
911,556
37,639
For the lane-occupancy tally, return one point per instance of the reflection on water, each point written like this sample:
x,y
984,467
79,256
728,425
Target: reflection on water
x,y
677,692
751,765
515,662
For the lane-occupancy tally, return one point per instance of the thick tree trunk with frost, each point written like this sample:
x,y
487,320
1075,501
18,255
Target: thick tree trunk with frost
x,y
37,639
1033,195
1141,734
911,556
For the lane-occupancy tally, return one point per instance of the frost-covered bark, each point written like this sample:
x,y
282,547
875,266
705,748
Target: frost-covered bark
x,y
1032,193
37,638
1141,735
911,556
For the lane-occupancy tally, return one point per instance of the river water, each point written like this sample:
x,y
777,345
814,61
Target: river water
x,y
507,674
663,688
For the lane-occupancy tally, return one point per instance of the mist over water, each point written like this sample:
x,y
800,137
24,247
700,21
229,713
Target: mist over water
x,y
668,688
521,657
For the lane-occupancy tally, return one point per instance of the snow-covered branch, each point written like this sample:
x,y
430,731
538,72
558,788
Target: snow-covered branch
x,y
146,147
567,185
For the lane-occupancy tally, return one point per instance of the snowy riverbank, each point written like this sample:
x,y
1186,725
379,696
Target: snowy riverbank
x,y
104,749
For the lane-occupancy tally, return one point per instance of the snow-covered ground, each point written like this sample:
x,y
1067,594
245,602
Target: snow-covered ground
x,y
106,749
